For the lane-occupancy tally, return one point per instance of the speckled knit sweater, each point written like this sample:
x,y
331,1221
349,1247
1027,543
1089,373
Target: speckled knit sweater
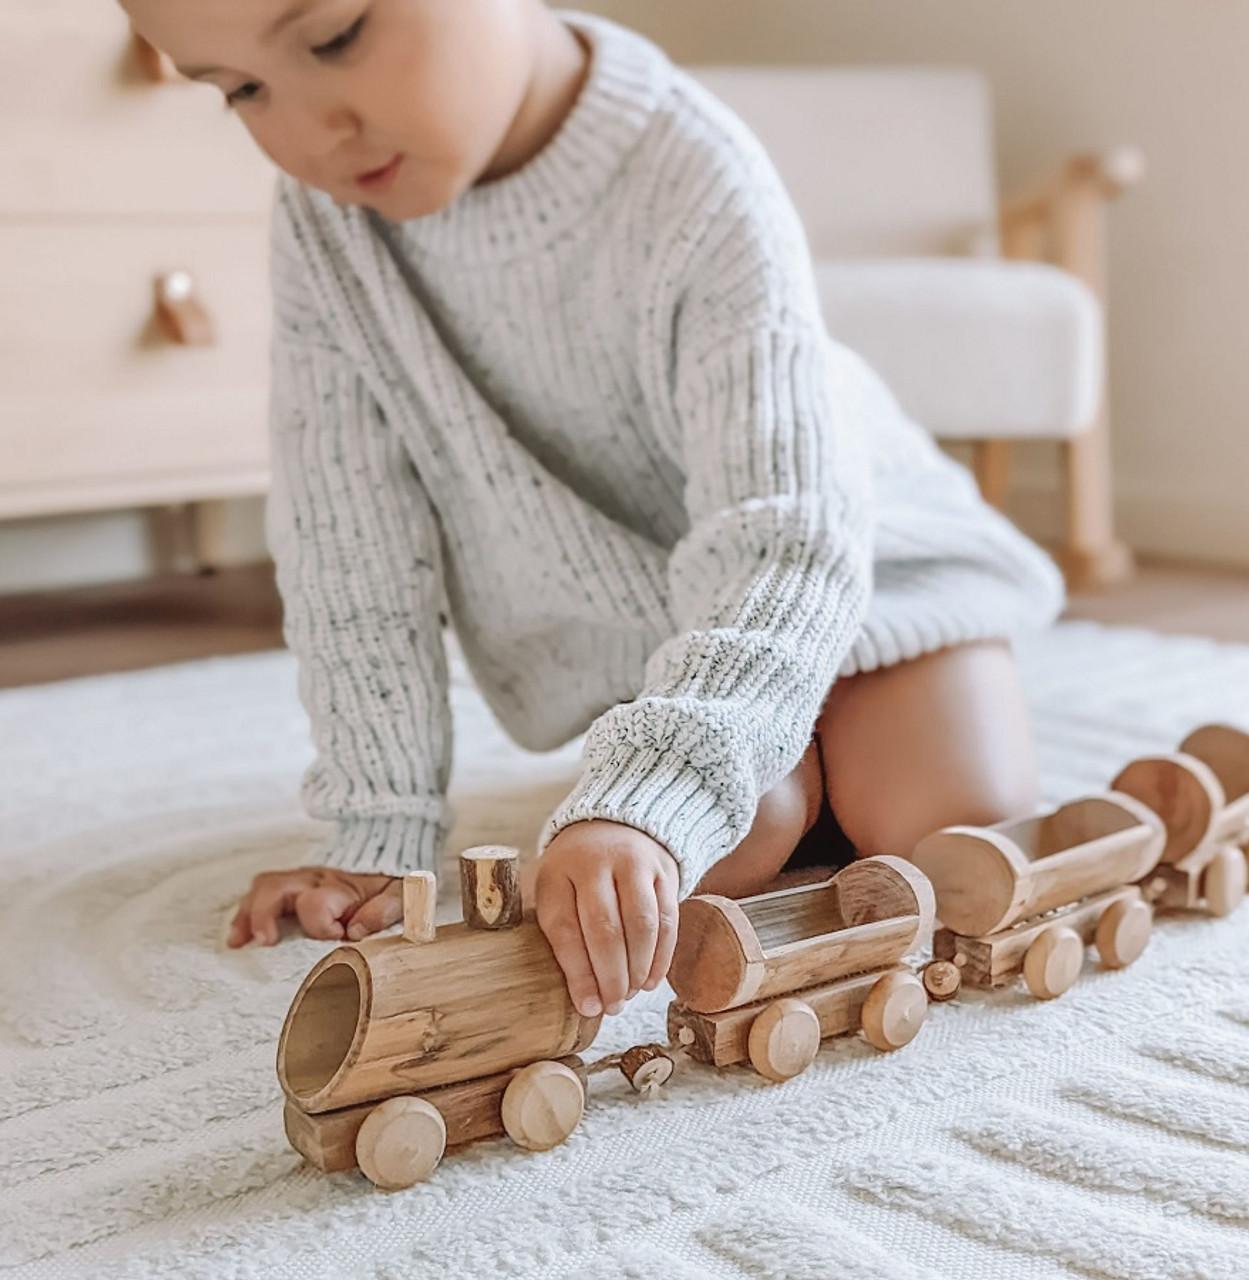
x,y
589,414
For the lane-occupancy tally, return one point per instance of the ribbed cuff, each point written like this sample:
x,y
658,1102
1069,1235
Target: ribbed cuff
x,y
386,846
696,820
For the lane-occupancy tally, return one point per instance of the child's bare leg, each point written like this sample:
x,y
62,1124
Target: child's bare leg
x,y
905,751
943,740
785,814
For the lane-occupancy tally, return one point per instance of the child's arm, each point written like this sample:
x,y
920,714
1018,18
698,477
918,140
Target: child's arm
x,y
771,583
358,554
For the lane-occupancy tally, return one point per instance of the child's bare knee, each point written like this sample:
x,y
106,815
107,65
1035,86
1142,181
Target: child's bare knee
x,y
897,823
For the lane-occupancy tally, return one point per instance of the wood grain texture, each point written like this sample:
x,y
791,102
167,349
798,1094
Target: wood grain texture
x,y
997,960
1183,791
733,952
988,878
723,1039
490,891
420,904
784,1039
470,1110
384,1017
894,1011
542,1104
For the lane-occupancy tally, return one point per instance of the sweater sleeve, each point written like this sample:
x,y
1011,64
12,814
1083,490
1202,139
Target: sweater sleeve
x,y
358,554
771,582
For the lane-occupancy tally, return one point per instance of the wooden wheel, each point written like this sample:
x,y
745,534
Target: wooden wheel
x,y
1123,932
542,1105
894,1011
400,1143
1053,962
784,1039
1223,883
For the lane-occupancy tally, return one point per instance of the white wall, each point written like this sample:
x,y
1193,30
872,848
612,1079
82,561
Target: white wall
x,y
1167,75
1068,74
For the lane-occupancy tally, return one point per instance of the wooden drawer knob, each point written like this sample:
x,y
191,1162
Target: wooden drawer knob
x,y
181,314
156,66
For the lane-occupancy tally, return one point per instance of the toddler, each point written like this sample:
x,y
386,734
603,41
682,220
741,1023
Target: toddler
x,y
548,364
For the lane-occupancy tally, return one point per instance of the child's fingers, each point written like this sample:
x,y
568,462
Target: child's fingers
x,y
378,913
669,915
599,912
557,917
241,925
639,914
271,900
322,908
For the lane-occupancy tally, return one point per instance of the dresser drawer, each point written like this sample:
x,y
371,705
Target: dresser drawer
x,y
98,405
83,131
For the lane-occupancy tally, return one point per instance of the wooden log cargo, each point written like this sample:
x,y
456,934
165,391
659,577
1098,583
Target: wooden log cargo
x,y
733,952
989,878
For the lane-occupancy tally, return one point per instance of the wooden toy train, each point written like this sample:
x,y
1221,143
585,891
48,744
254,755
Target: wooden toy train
x,y
397,1048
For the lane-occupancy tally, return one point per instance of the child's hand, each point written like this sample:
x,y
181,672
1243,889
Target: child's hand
x,y
607,902
328,903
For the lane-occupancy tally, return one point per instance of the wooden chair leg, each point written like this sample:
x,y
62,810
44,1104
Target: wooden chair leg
x,y
1092,557
208,523
991,463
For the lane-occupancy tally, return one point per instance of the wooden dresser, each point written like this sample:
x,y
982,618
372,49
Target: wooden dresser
x,y
134,325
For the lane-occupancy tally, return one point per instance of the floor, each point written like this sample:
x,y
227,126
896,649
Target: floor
x,y
62,634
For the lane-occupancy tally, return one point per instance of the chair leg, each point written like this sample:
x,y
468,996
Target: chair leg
x,y
208,522
1092,558
991,463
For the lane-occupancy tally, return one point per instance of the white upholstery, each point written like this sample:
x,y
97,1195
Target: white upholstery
x,y
973,349
880,162
892,170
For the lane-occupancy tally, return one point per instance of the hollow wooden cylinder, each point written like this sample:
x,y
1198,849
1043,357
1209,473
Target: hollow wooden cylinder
x,y
732,952
987,878
385,1017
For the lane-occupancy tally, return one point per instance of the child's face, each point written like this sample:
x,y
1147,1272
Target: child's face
x,y
345,86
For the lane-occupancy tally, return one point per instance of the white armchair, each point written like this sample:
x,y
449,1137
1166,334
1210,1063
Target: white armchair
x,y
921,272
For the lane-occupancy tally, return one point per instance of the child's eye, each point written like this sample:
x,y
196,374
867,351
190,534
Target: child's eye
x,y
243,94
340,43
336,46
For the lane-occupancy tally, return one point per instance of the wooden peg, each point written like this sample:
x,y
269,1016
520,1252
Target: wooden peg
x,y
942,980
646,1066
420,900
490,887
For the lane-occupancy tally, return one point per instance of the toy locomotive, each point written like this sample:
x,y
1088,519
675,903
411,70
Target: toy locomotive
x,y
397,1047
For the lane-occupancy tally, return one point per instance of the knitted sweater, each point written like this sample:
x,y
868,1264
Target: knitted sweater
x,y
589,414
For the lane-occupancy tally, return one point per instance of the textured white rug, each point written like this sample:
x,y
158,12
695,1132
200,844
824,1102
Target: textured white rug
x,y
1104,1134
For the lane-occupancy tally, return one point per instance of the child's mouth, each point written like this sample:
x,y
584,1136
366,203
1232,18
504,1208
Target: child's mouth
x,y
380,180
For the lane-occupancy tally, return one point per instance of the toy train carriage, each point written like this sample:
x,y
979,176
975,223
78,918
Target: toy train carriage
x,y
1027,896
765,979
1202,795
461,1032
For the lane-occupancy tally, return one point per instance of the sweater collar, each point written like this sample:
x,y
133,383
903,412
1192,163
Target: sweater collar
x,y
556,189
